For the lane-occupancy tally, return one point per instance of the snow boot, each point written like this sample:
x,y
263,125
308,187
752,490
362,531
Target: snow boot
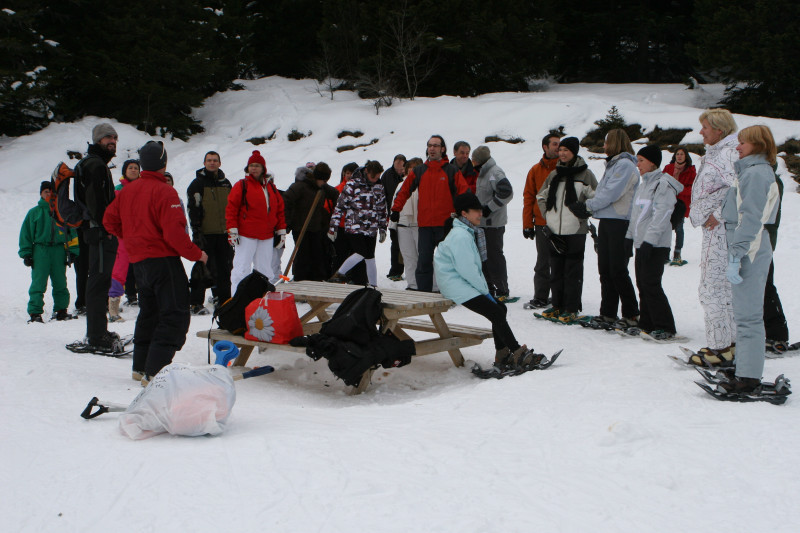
x,y
739,385
62,314
516,357
137,375
113,309
339,278
625,323
199,310
710,357
661,335
501,357
132,302
36,317
536,303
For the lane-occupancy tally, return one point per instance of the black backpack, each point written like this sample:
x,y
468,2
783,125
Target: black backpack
x,y
230,315
356,318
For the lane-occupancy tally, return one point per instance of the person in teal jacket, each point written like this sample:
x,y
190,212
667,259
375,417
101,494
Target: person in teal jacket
x,y
47,248
458,264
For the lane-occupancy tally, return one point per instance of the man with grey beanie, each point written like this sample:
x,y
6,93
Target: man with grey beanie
x,y
94,188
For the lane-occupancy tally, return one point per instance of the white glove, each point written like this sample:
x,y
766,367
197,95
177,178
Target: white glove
x,y
332,236
233,236
382,236
392,225
282,240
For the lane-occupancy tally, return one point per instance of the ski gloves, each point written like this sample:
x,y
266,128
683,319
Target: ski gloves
x,y
733,270
579,210
233,236
529,233
28,261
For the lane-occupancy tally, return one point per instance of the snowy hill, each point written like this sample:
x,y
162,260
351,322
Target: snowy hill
x,y
614,437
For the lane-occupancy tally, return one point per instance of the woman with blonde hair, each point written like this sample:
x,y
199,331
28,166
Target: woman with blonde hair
x,y
715,175
612,204
750,202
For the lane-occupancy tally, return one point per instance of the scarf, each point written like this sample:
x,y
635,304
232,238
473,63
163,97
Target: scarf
x,y
565,173
480,237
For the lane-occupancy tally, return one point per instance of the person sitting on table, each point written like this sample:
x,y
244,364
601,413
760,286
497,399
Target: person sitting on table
x,y
458,266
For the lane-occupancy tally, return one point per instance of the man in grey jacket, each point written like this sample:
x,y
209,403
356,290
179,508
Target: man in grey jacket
x,y
494,192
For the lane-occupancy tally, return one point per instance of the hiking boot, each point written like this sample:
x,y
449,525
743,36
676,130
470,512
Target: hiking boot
x,y
501,357
516,357
739,385
113,309
537,303
36,317
662,335
602,320
62,314
199,310
567,318
676,257
132,302
551,313
109,341
80,311
339,278
137,375
531,360
625,323
146,380
710,357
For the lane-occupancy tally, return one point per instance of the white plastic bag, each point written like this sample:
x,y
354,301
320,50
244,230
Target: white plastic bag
x,y
181,400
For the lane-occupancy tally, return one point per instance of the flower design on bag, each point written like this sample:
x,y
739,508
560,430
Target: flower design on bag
x,y
260,325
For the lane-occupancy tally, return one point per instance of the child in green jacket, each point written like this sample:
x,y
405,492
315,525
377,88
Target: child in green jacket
x,y
47,248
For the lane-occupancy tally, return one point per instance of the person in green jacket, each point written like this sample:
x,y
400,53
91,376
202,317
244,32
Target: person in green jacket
x,y
47,248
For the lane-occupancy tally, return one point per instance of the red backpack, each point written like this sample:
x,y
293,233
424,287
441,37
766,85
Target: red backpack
x,y
69,212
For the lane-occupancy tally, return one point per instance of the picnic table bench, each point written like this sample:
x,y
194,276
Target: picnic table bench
x,y
398,306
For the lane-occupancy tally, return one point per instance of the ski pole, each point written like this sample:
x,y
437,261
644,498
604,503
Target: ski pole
x,y
285,276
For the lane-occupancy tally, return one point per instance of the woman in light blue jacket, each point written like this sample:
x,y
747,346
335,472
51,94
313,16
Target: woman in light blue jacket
x,y
751,202
458,266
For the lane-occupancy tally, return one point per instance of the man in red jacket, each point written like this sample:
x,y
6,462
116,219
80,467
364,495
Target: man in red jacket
x,y
438,183
148,214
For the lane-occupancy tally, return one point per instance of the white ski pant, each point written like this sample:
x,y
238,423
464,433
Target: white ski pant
x,y
748,308
409,239
277,254
715,289
251,254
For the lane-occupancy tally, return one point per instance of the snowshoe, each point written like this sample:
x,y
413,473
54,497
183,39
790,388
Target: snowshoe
x,y
662,337
739,390
508,299
114,347
628,332
599,322
62,314
527,361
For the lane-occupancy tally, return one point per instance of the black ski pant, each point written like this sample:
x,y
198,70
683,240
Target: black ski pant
x,y
429,239
102,255
495,312
357,274
775,325
612,265
655,312
313,259
220,262
130,284
163,313
396,259
494,268
81,270
541,271
566,274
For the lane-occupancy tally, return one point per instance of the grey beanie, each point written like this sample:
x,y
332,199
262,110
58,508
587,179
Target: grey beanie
x,y
153,156
481,155
103,130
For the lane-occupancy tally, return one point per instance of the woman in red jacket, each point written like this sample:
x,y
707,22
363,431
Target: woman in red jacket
x,y
682,169
254,216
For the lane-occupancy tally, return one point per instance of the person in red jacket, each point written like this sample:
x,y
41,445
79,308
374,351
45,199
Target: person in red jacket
x,y
148,214
682,169
254,216
438,182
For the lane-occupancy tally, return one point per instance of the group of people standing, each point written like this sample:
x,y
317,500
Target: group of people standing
x,y
446,221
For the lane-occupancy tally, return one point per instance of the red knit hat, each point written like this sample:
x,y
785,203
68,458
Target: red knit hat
x,y
257,158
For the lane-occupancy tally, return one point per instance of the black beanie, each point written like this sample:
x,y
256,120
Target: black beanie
x,y
46,185
153,156
652,153
465,202
570,143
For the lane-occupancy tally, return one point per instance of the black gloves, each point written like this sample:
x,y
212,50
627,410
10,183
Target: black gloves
x,y
529,233
71,258
486,211
395,216
628,247
579,210
28,260
645,251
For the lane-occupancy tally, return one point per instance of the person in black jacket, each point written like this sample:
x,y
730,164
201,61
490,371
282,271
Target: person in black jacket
x,y
207,197
390,179
94,188
313,259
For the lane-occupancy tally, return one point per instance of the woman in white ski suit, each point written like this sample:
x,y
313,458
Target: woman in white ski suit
x,y
714,177
751,202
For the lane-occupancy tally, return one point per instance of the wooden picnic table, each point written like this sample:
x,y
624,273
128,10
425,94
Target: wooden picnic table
x,y
398,308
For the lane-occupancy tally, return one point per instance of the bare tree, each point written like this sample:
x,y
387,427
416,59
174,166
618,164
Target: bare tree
x,y
407,36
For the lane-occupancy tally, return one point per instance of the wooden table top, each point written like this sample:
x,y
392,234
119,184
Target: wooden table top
x,y
320,291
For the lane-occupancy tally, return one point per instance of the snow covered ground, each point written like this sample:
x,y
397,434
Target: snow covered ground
x,y
614,437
